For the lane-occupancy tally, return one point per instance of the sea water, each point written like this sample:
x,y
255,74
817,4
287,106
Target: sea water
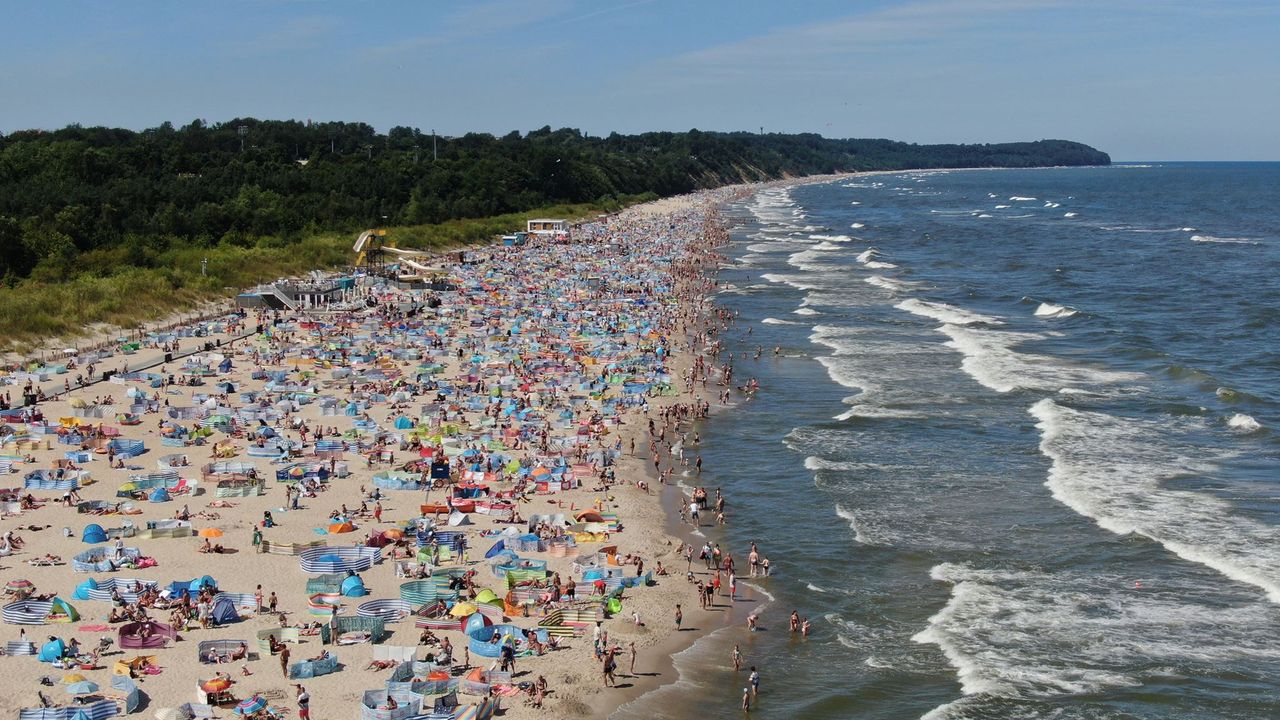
x,y
1017,454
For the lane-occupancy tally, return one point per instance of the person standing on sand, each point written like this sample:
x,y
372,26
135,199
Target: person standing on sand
x,y
737,658
679,617
284,661
632,647
304,703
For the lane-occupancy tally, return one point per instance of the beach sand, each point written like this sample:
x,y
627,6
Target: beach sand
x,y
572,673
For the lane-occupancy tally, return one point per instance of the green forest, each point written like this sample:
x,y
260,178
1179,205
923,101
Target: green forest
x,y
95,200
105,225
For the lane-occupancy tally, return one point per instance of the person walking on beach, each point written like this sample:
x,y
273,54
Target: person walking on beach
x,y
737,658
304,703
679,617
284,661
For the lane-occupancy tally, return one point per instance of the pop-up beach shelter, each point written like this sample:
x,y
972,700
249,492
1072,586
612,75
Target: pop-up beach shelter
x,y
52,650
353,586
224,612
62,611
93,533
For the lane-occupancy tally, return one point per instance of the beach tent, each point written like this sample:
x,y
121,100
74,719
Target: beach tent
x,y
62,611
224,612
353,586
498,547
93,533
456,518
52,650
488,597
159,495
82,590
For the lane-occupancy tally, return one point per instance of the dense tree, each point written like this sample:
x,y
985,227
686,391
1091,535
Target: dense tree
x,y
111,197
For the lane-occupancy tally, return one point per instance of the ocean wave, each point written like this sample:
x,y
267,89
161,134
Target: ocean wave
x,y
867,255
776,321
877,412
1113,470
990,358
798,282
1244,423
852,518
1049,310
831,238
828,246
857,226
943,312
1021,198
890,284
804,260
1002,207
1070,214
1018,635
1224,240
805,311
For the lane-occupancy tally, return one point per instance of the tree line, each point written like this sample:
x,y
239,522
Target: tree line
x,y
95,199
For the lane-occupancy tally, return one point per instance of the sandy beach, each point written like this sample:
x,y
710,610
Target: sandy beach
x,y
393,394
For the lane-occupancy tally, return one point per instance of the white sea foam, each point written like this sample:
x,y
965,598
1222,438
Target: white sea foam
x,y
876,412
857,226
990,358
1224,240
1002,207
1114,470
776,321
799,282
807,260
889,283
1049,310
1070,214
1244,423
769,247
945,313
831,238
805,311
1020,198
983,215
827,245
1017,635
866,255
855,202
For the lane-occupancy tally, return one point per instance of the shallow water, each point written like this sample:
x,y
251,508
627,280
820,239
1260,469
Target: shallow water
x,y
1017,456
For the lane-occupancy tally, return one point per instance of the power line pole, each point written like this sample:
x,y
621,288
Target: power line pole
x,y
434,156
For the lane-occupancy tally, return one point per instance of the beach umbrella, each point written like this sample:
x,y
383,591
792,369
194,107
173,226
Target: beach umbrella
x,y
463,609
251,705
84,687
342,527
215,685
73,678
393,534
210,533
19,586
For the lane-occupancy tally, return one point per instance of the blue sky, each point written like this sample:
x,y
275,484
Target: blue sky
x,y
1161,80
